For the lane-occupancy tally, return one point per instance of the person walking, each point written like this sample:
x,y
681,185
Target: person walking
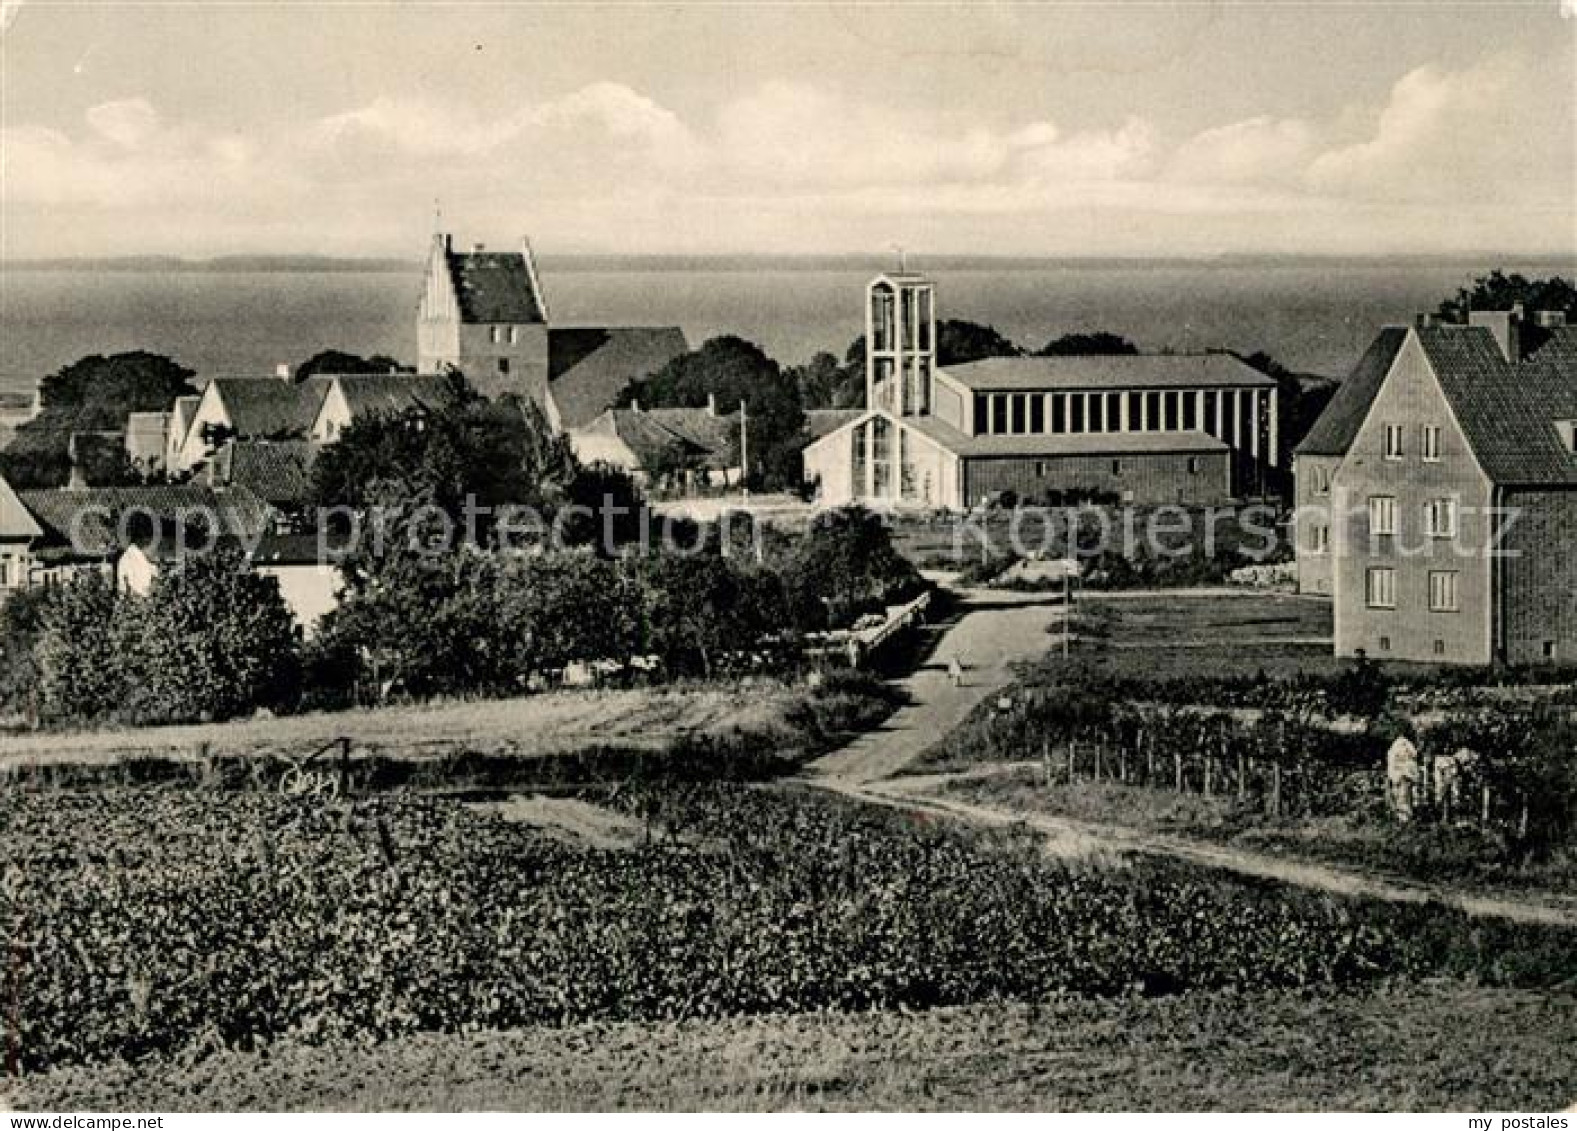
x,y
955,669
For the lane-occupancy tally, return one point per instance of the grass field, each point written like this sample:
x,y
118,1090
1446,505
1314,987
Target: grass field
x,y
1444,1047
532,725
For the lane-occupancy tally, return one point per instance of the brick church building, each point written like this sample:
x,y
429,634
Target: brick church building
x,y
1195,429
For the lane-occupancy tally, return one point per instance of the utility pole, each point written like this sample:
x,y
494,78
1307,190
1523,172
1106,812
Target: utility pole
x,y
744,449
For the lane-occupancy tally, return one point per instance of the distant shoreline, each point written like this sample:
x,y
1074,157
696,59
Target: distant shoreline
x,y
263,264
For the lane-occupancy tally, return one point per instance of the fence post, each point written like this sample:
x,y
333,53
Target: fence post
x,y
1483,815
1122,764
1149,758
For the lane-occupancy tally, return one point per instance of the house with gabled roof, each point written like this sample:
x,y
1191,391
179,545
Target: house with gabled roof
x,y
250,408
1145,429
1452,499
686,447
354,396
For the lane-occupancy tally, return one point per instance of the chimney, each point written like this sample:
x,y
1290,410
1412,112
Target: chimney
x,y
1506,328
79,479
635,406
711,404
282,371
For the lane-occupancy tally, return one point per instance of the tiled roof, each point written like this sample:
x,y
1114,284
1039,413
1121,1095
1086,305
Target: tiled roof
x,y
494,286
1338,425
717,435
1507,411
366,394
86,521
1101,371
276,471
296,549
647,440
589,368
271,407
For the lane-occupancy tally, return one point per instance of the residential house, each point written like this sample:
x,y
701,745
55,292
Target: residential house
x,y
147,441
351,397
1453,528
679,448
250,408
85,529
20,533
1146,429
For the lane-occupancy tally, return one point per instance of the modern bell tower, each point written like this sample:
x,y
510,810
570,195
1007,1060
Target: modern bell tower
x,y
900,337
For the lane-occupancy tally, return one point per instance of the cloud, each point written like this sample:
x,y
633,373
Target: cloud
x,y
1259,150
806,166
1489,131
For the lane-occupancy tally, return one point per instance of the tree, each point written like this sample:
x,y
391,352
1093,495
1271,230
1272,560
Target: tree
x,y
81,675
461,450
212,640
94,394
21,621
734,371
692,609
1500,291
820,381
566,608
339,362
1098,342
845,565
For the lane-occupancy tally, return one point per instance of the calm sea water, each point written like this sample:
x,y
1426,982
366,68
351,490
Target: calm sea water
x,y
1313,318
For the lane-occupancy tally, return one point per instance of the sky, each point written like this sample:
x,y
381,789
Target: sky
x,y
1079,129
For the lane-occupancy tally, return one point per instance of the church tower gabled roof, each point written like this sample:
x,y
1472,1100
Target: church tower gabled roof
x,y
495,286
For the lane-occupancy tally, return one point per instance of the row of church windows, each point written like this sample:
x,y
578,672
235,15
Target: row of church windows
x,y
1225,414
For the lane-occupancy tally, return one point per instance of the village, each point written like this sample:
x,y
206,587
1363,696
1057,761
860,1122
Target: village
x,y
1330,680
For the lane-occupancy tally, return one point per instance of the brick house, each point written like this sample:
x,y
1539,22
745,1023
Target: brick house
x,y
1453,508
1143,429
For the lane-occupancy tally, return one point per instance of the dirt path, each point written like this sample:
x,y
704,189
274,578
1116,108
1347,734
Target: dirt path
x,y
1082,839
996,631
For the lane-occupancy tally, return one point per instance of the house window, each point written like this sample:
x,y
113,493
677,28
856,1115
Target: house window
x,y
1440,647
1097,414
1393,441
496,334
5,573
999,415
1059,413
1443,591
1020,412
1193,465
514,335
1380,588
1441,517
1382,514
1429,443
1040,469
1037,415
1319,539
1076,413
1322,480
1385,643
503,365
1117,467
1549,649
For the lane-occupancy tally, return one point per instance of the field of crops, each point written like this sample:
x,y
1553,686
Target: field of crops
x,y
168,921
